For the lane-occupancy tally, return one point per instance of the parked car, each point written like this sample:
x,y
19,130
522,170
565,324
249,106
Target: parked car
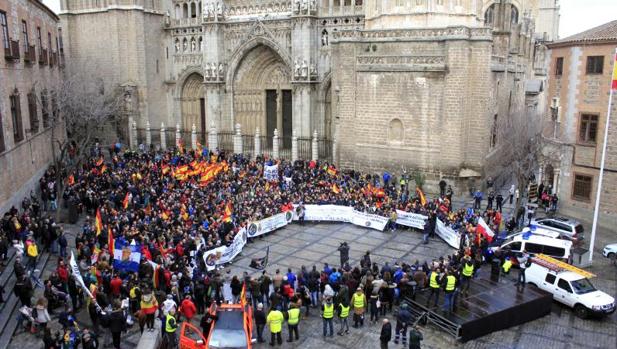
x,y
610,251
570,286
536,244
568,228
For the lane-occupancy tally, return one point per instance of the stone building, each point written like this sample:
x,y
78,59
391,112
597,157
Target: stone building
x,y
395,84
31,61
579,85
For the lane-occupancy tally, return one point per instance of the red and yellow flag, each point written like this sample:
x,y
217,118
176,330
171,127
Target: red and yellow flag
x,y
98,222
331,171
111,243
103,169
335,189
228,212
125,202
71,180
99,162
421,196
614,84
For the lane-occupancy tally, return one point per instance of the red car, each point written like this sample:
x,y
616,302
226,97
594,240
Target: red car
x,y
233,329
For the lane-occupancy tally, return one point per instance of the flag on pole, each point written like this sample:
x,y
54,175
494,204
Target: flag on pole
x,y
110,241
127,199
335,189
98,222
228,212
421,196
79,279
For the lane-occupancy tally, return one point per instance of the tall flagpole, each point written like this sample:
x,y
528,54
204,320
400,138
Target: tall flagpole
x,y
596,210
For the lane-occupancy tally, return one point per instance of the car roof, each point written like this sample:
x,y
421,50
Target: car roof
x,y
564,274
565,220
544,240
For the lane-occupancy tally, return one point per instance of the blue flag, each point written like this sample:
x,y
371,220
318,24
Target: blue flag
x,y
126,256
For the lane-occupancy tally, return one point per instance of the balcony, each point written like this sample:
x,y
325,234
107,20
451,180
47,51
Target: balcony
x,y
12,52
43,57
30,54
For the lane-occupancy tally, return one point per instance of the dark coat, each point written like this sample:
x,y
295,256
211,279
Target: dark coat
x,y
386,333
117,321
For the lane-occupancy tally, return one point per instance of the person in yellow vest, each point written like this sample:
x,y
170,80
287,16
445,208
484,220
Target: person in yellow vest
x,y
449,284
434,286
466,275
32,251
343,315
170,329
327,313
293,318
275,323
358,300
506,266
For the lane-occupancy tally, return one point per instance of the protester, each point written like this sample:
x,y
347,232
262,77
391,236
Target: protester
x,y
275,323
386,334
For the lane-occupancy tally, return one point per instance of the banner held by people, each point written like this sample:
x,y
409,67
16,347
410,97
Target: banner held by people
x,y
410,219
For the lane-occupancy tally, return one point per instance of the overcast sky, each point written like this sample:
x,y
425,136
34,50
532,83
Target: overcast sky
x,y
576,15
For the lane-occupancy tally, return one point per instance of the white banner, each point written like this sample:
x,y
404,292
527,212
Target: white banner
x,y
269,224
326,213
212,256
409,219
80,280
225,254
448,234
271,173
368,220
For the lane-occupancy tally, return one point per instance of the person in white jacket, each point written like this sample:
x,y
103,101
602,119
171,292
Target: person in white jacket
x,y
40,314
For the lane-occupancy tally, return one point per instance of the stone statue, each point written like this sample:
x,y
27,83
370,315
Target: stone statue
x,y
128,101
297,6
193,44
219,9
201,44
313,5
304,6
297,69
313,69
221,71
167,19
177,46
324,38
184,45
304,69
212,10
207,71
213,71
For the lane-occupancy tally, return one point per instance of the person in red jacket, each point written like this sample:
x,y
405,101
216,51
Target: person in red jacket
x,y
63,274
115,285
188,308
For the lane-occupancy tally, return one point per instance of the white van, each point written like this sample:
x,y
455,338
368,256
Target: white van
x,y
570,287
536,244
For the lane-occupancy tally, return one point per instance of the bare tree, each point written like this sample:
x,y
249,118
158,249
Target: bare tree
x,y
518,142
76,108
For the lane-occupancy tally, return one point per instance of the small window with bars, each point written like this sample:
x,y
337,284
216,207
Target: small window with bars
x,y
582,187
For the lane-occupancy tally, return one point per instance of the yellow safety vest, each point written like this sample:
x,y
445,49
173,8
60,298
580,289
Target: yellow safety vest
x,y
133,293
450,283
358,300
294,316
328,311
33,251
467,270
169,328
344,311
434,283
506,266
275,321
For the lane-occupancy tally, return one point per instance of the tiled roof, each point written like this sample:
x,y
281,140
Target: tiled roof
x,y
605,32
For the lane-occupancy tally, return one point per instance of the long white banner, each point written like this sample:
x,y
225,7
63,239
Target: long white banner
x,y
326,213
368,220
448,234
225,254
409,219
269,224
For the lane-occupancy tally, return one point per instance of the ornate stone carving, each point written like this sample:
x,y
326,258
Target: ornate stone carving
x,y
214,71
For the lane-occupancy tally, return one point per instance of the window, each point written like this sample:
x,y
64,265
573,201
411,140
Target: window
x,y
595,64
564,285
44,109
552,251
34,119
24,31
533,248
588,128
550,279
49,41
39,38
559,66
513,15
515,246
582,187
18,132
1,135
5,30
489,15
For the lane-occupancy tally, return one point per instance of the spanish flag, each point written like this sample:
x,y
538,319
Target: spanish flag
x,y
243,295
125,202
614,84
71,180
99,162
98,222
165,169
335,189
421,196
331,171
111,243
227,215
103,169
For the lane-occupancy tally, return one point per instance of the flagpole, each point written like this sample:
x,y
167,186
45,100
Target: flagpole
x,y
596,210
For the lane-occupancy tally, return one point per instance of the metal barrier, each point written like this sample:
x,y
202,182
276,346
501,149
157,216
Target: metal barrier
x,y
432,317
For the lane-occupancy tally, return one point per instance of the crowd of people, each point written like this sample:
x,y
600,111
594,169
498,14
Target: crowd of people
x,y
178,204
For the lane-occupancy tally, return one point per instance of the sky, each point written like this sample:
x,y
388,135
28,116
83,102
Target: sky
x,y
576,15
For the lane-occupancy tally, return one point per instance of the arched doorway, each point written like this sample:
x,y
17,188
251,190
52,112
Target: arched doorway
x,y
262,94
193,104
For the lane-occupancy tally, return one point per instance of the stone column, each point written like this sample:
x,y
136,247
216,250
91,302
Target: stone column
x,y
279,111
556,181
177,135
238,140
194,137
133,137
213,138
294,146
163,139
275,144
148,135
314,147
257,143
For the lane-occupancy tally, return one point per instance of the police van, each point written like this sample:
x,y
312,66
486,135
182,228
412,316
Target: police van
x,y
536,243
569,285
